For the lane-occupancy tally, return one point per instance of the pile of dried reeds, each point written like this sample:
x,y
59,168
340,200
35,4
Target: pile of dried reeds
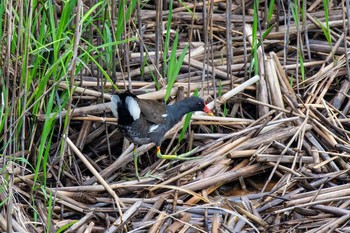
x,y
274,158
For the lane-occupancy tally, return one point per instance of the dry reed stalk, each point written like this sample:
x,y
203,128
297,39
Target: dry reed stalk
x,y
325,196
157,205
81,222
197,165
89,228
298,129
226,177
250,216
121,161
242,154
284,159
157,223
123,219
273,83
98,177
332,225
94,109
234,91
193,200
196,64
216,223
178,224
262,94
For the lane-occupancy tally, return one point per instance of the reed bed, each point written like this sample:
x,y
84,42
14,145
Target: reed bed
x,y
274,158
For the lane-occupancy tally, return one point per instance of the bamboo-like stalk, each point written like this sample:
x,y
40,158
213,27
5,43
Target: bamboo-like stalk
x,y
276,151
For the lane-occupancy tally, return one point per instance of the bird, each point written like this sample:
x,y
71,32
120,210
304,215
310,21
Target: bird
x,y
145,121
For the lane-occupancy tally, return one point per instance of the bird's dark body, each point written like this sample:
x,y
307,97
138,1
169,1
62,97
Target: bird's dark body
x,y
147,121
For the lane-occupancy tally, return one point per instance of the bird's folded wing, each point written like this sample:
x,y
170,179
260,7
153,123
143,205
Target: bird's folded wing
x,y
153,111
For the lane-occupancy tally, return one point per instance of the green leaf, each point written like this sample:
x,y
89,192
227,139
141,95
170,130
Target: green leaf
x,y
90,11
2,11
220,89
302,68
270,10
254,61
122,16
187,8
49,212
186,122
65,227
45,141
167,37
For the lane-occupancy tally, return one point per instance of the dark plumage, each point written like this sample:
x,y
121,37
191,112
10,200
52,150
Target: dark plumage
x,y
145,121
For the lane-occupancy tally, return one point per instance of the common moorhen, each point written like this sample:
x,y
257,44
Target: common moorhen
x,y
145,121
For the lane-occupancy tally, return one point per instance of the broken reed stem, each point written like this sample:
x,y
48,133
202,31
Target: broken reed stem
x,y
97,175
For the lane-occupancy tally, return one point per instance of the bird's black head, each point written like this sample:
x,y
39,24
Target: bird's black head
x,y
176,111
197,104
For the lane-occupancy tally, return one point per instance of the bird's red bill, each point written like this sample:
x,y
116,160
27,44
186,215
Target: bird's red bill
x,y
207,110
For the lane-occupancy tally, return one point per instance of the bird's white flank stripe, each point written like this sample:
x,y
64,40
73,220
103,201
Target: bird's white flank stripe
x,y
114,105
164,115
133,107
153,128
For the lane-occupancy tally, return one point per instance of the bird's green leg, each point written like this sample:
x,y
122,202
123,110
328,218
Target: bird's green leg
x,y
183,156
150,175
136,160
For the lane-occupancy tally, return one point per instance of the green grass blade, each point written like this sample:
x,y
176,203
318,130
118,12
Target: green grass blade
x,y
53,31
171,64
66,226
171,69
185,126
255,39
87,15
186,122
2,11
153,77
167,37
4,201
121,15
295,13
108,39
302,68
174,66
270,10
45,140
4,112
266,33
49,212
327,30
100,68
66,18
220,89
187,8
120,23
180,60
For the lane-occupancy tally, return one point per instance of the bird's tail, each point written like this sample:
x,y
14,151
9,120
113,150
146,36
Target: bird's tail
x,y
115,100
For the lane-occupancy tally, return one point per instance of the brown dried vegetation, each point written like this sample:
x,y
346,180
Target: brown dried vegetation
x,y
275,158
